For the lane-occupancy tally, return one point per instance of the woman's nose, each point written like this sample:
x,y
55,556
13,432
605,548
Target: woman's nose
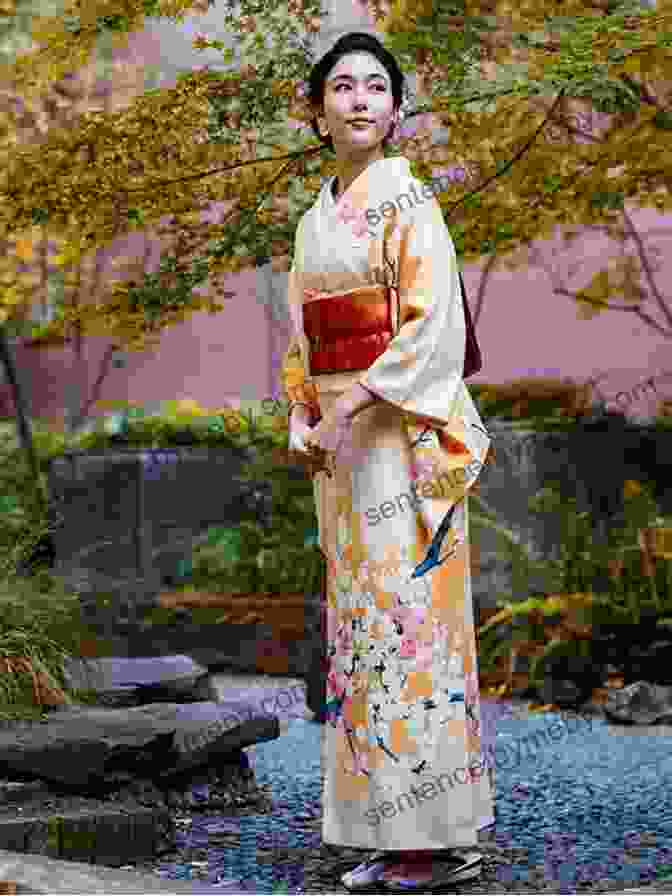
x,y
360,103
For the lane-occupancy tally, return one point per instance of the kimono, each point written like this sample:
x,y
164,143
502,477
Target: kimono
x,y
403,762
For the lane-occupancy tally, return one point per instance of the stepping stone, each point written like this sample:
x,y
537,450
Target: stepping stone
x,y
42,874
131,681
283,700
640,703
87,749
13,793
107,836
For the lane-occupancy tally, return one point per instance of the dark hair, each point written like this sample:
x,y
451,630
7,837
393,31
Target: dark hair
x,y
354,42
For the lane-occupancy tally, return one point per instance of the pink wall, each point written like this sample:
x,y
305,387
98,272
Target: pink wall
x,y
523,329
215,359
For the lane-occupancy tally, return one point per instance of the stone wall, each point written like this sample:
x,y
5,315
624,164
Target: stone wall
x,y
128,515
590,462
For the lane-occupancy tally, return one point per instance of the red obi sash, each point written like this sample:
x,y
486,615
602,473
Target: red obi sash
x,y
348,332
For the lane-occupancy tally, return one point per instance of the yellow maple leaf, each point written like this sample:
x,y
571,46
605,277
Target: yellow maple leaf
x,y
631,488
24,249
189,406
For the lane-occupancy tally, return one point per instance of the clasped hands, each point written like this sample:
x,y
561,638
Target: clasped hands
x,y
320,446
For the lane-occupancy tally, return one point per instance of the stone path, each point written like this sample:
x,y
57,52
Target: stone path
x,y
288,702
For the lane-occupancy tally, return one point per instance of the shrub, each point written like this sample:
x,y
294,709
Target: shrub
x,y
562,621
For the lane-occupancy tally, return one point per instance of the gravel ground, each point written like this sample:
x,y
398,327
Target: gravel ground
x,y
583,812
587,809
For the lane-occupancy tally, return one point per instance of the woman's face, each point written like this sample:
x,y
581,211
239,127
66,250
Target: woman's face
x,y
358,86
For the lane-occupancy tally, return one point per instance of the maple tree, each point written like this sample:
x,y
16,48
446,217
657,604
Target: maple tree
x,y
506,82
36,262
46,92
31,261
595,169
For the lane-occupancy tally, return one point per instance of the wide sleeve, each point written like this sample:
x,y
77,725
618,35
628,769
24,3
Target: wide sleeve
x,y
421,369
296,385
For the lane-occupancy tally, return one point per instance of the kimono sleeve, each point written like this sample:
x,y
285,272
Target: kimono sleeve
x,y
296,385
421,369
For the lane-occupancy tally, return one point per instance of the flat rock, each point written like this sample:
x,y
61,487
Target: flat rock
x,y
106,835
85,749
650,662
42,874
640,703
132,681
13,793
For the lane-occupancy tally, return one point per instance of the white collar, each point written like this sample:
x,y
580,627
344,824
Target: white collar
x,y
382,170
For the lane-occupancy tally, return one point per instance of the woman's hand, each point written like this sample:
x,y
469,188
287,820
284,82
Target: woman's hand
x,y
311,459
332,437
299,427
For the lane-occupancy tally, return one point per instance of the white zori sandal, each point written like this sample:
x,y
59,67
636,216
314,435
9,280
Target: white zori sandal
x,y
452,867
367,874
449,868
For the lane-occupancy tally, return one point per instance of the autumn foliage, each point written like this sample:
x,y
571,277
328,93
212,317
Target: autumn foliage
x,y
555,114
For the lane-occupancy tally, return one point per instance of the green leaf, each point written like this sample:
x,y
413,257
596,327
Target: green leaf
x,y
55,287
112,23
40,215
504,231
72,24
663,120
473,201
607,199
553,182
617,55
7,503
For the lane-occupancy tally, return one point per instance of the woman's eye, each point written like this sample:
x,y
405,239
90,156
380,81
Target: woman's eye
x,y
377,86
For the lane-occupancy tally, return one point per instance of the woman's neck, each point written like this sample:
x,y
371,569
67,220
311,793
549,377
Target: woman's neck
x,y
348,172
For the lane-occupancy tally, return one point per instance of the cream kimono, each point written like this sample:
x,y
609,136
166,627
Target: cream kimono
x,y
404,765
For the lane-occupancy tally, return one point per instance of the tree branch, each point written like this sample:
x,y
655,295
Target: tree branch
x,y
605,306
636,309
95,389
644,93
292,156
22,418
521,152
480,297
647,268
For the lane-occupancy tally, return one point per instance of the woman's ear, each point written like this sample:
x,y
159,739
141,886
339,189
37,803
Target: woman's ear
x,y
318,115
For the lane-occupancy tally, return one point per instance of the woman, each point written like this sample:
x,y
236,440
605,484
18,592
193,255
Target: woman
x,y
403,770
